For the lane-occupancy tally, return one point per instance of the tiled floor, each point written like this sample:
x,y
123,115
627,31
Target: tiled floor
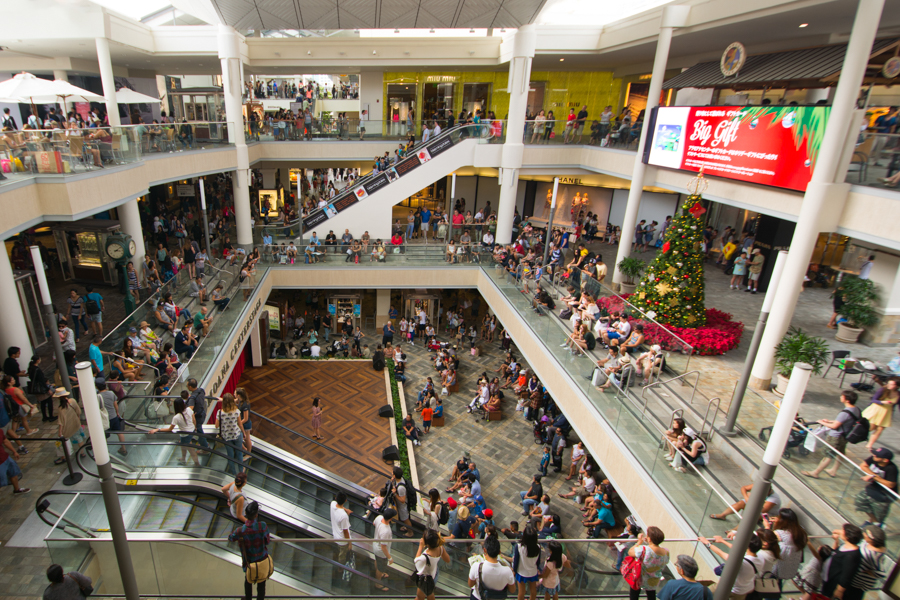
x,y
504,451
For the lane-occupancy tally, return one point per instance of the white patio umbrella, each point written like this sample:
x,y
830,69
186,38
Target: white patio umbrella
x,y
24,87
129,96
62,90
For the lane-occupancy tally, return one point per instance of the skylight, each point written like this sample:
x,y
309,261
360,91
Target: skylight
x,y
132,8
597,12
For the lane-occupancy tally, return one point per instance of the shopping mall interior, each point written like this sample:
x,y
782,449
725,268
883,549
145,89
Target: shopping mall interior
x,y
623,279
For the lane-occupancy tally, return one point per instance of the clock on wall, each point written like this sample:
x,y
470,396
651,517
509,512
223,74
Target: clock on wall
x,y
120,247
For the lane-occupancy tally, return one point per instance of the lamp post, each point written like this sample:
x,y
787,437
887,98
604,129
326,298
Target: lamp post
x,y
107,479
50,314
762,482
550,223
205,219
741,388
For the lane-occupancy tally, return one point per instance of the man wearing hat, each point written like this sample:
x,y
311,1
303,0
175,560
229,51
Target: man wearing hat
x,y
875,499
756,267
464,522
686,588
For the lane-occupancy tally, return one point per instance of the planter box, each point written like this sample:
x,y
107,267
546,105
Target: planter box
x,y
848,335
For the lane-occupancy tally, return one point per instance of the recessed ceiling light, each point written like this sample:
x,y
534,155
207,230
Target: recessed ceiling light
x,y
804,24
561,60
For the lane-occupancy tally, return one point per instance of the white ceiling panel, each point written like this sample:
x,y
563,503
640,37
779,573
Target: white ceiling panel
x,y
356,14
400,13
385,14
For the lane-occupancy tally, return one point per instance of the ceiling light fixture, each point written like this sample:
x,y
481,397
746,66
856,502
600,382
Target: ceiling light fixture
x,y
472,30
374,52
503,30
396,31
804,24
308,53
561,60
431,30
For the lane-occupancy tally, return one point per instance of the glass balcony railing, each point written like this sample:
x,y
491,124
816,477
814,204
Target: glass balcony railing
x,y
75,150
298,130
618,135
218,272
876,161
197,523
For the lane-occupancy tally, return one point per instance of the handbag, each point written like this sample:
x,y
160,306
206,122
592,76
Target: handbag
x,y
86,590
552,134
260,571
631,570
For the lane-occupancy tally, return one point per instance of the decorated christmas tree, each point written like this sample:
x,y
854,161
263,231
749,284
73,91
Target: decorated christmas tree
x,y
671,290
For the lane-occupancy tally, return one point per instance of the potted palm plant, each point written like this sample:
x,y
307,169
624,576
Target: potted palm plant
x,y
798,346
630,268
858,308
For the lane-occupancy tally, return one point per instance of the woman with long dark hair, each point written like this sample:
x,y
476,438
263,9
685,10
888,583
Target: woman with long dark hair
x,y
316,420
526,571
792,540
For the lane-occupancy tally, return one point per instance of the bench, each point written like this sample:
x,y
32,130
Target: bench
x,y
494,415
437,421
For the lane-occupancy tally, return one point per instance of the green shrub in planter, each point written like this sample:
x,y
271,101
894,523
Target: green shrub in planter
x,y
860,296
798,346
631,268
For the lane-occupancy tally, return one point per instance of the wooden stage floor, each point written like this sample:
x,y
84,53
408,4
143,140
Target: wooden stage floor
x,y
351,393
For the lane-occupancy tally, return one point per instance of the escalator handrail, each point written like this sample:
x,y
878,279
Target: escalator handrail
x,y
365,178
89,445
216,512
333,450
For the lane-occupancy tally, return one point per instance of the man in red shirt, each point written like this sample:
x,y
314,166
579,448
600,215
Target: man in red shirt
x,y
427,413
9,468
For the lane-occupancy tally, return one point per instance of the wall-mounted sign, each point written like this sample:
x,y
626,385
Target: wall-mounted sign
x,y
769,145
185,190
891,67
570,180
733,59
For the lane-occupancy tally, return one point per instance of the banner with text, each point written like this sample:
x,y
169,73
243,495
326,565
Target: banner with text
x,y
769,145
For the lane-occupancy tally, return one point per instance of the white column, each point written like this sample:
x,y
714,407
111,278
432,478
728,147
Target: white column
x,y
130,219
63,76
382,308
229,54
672,17
13,331
822,191
524,43
108,80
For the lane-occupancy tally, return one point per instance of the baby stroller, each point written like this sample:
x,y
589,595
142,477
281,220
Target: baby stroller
x,y
540,430
796,438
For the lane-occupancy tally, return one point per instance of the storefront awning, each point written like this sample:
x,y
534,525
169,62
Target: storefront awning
x,y
809,67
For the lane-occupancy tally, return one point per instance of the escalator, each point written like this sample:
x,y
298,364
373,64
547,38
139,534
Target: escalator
x,y
376,193
170,521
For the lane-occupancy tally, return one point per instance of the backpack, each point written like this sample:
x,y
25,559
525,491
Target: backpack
x,y
12,409
411,497
91,306
859,429
590,340
485,592
444,516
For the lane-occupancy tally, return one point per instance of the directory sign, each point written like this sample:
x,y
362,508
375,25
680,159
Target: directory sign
x,y
769,145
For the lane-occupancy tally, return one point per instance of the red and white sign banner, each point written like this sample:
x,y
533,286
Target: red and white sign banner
x,y
768,145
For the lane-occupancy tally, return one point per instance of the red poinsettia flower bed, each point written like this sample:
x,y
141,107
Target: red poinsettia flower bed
x,y
719,335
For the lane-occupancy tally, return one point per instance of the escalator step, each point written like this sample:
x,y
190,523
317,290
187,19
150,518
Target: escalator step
x,y
255,478
200,519
154,514
177,516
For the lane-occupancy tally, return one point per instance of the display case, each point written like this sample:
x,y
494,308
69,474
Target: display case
x,y
81,247
345,308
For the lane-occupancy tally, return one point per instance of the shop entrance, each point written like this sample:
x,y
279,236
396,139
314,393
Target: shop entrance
x,y
476,96
82,250
416,300
401,101
535,97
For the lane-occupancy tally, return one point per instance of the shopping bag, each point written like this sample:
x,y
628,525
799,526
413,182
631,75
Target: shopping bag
x,y
6,165
811,441
19,166
49,162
